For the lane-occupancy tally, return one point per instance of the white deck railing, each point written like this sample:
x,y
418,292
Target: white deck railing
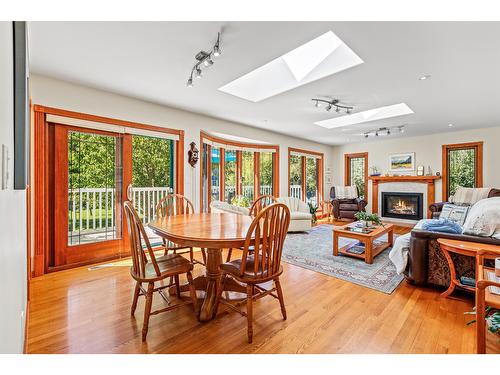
x,y
93,209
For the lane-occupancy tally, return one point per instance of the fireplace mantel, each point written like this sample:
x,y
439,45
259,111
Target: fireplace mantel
x,y
429,180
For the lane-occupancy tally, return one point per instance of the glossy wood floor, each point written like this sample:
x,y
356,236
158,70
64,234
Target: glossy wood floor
x,y
88,311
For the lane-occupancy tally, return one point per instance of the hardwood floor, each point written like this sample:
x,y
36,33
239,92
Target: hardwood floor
x,y
88,311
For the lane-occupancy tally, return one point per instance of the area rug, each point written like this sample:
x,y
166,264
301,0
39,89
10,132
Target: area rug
x,y
313,250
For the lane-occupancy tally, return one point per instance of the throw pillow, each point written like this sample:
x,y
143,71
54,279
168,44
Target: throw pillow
x,y
454,212
442,225
484,218
469,196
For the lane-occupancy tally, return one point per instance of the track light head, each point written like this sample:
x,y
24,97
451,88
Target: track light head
x,y
208,61
198,73
402,129
328,107
348,111
388,131
366,135
217,51
317,104
376,134
337,109
190,82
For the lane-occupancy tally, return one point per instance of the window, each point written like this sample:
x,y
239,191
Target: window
x,y
462,166
305,175
266,171
247,175
356,172
239,172
229,175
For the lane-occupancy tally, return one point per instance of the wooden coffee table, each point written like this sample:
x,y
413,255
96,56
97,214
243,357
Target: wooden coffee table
x,y
371,249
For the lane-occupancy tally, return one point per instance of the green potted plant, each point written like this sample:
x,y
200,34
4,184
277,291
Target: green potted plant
x,y
313,209
368,219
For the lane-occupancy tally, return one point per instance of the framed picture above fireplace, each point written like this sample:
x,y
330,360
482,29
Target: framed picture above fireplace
x,y
402,162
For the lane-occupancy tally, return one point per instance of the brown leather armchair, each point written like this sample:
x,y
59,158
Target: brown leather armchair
x,y
346,208
437,207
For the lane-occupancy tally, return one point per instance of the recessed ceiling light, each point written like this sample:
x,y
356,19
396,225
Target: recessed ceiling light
x,y
424,77
318,58
367,116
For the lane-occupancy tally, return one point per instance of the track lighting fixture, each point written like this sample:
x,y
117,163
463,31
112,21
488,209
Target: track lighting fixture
x,y
198,73
383,131
332,103
205,59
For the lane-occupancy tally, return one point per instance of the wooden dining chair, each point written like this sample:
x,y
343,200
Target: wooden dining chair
x,y
266,235
258,205
176,204
148,269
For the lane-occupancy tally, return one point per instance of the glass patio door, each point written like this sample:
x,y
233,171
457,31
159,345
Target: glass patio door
x,y
87,195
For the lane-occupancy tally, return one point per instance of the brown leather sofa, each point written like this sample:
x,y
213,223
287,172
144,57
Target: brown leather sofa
x,y
436,208
427,264
346,208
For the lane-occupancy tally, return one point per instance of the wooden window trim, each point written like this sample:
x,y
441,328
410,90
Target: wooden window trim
x,y
478,146
347,169
40,185
319,182
205,136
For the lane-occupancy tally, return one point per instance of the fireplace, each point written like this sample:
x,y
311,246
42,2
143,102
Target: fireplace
x,y
402,205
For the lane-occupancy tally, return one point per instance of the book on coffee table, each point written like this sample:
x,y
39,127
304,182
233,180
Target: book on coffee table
x,y
357,248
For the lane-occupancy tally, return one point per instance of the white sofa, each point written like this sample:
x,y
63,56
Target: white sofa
x,y
300,216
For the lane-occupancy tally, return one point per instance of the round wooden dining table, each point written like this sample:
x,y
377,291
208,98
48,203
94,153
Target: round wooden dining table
x,y
214,232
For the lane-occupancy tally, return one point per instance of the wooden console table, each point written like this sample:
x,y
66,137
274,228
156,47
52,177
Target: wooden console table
x,y
464,248
429,180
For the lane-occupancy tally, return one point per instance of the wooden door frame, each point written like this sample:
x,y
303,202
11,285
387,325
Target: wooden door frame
x,y
478,146
319,182
347,169
222,160
40,153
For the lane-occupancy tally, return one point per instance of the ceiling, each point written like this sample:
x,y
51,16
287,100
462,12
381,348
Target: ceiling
x,y
152,61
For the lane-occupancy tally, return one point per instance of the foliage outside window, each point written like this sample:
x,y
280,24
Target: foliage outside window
x,y
247,174
357,174
229,175
215,167
295,176
266,173
461,169
311,179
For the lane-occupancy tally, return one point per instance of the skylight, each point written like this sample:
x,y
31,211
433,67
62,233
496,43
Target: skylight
x,y
318,58
367,116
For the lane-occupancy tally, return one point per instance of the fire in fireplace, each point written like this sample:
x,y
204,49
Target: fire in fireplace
x,y
402,205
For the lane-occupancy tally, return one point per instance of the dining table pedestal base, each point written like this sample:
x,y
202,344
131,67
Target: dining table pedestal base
x,y
207,284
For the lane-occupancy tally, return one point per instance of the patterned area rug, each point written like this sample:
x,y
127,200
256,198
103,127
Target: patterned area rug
x,y
313,250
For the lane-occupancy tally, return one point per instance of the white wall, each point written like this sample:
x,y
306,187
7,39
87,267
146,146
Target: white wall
x,y
13,257
427,152
55,93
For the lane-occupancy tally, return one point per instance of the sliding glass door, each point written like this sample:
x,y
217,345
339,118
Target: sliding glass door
x,y
89,173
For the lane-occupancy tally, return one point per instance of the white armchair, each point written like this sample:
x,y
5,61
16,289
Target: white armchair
x,y
300,216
